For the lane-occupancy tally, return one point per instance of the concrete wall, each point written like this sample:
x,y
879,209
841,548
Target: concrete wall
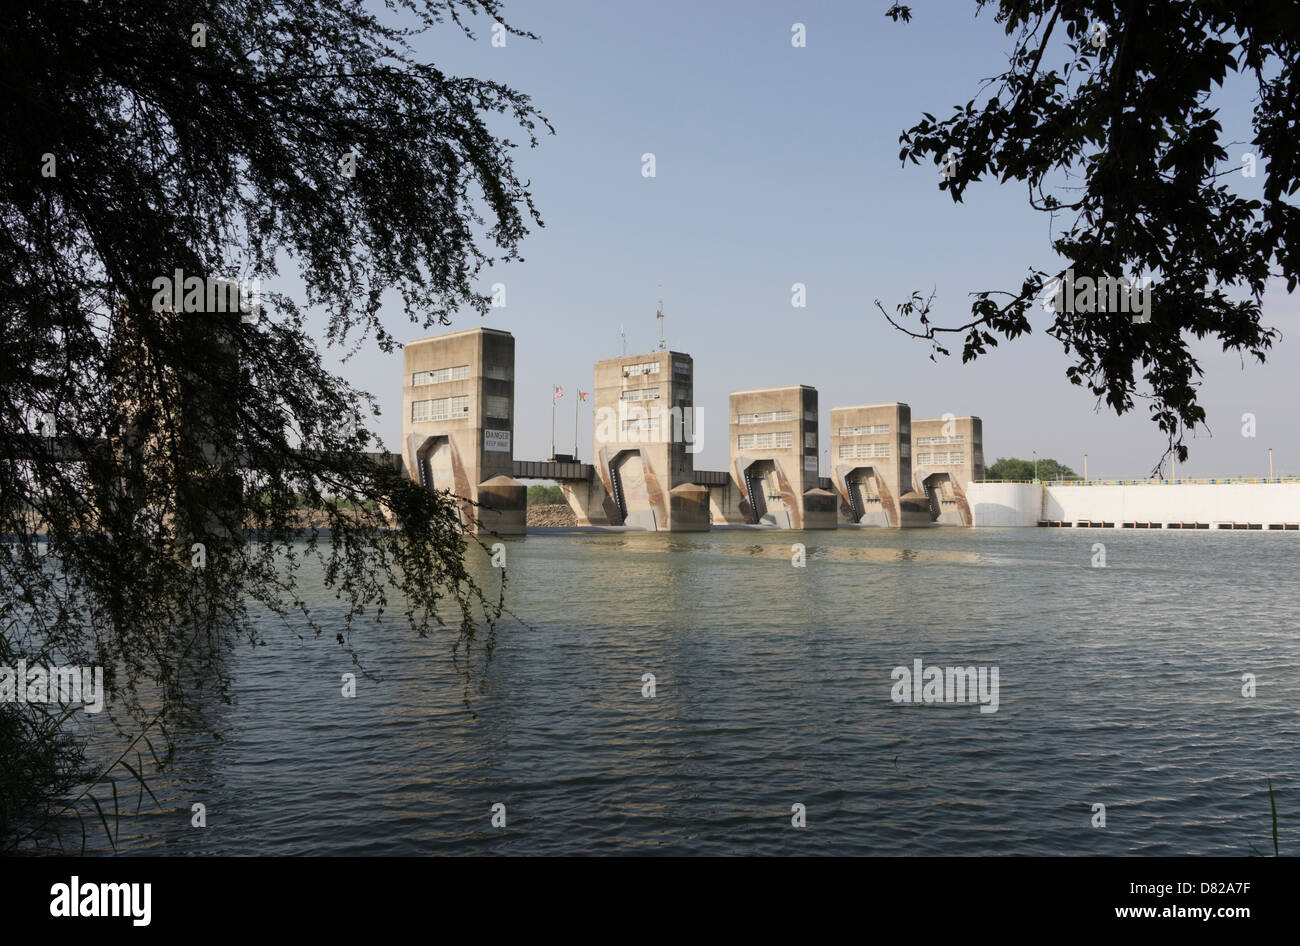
x,y
1025,504
1005,504
1188,502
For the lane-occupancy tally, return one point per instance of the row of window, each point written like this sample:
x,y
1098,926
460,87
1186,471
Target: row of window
x,y
940,459
863,451
646,367
769,417
770,440
458,373
440,375
939,441
864,430
455,408
640,394
443,408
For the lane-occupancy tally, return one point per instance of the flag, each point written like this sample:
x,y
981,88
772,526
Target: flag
x,y
582,395
558,392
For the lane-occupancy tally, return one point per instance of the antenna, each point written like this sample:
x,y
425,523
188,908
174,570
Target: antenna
x,y
659,316
624,335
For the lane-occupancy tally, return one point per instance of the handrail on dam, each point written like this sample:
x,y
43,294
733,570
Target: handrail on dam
x,y
1181,481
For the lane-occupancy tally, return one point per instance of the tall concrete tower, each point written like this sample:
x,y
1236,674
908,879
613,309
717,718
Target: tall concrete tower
x,y
458,424
871,461
646,436
947,454
774,459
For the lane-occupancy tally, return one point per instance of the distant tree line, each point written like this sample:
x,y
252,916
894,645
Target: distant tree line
x,y
1013,468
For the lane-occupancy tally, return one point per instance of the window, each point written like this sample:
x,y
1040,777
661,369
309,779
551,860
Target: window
x,y
640,394
682,367
770,417
868,430
646,367
810,464
446,408
940,459
642,423
939,441
810,415
810,439
497,372
768,441
864,451
440,375
495,405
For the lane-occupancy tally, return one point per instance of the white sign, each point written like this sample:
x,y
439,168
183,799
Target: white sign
x,y
498,440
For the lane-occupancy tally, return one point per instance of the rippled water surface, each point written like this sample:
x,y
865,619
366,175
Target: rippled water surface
x,y
1118,685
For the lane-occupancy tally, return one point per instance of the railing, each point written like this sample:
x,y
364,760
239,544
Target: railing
x,y
1181,481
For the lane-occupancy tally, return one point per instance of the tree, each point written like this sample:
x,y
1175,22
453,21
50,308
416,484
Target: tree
x,y
145,429
539,495
1012,468
1106,114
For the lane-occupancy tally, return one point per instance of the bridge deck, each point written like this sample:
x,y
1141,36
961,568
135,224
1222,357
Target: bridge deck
x,y
551,470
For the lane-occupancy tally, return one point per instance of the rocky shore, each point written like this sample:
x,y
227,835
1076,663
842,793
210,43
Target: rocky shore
x,y
551,515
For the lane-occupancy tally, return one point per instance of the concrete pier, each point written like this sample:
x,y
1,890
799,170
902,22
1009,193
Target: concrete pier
x,y
774,461
458,424
947,454
871,465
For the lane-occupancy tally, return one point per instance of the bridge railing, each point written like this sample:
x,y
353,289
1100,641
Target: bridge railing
x,y
1145,481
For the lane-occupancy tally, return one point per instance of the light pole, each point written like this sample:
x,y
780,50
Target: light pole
x,y
1035,464
1270,463
1085,469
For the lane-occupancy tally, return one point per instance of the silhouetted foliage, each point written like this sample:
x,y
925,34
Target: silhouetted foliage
x,y
1106,113
143,440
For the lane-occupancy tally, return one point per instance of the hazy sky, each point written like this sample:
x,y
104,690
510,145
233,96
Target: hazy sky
x,y
777,165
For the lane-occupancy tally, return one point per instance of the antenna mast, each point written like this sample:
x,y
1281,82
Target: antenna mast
x,y
624,335
659,316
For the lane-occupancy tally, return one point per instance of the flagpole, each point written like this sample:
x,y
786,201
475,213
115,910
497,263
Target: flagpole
x,y
576,399
552,421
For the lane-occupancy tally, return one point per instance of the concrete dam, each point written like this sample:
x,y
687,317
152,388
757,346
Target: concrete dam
x,y
888,470
458,434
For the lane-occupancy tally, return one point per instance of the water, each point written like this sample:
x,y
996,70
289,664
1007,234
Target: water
x,y
1118,685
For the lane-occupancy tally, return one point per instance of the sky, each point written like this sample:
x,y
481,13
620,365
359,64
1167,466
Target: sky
x,y
778,165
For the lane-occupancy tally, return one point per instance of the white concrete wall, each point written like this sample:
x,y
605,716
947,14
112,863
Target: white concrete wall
x,y
1005,504
1191,502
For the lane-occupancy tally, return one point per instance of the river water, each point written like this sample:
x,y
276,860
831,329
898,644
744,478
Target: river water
x,y
1118,685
